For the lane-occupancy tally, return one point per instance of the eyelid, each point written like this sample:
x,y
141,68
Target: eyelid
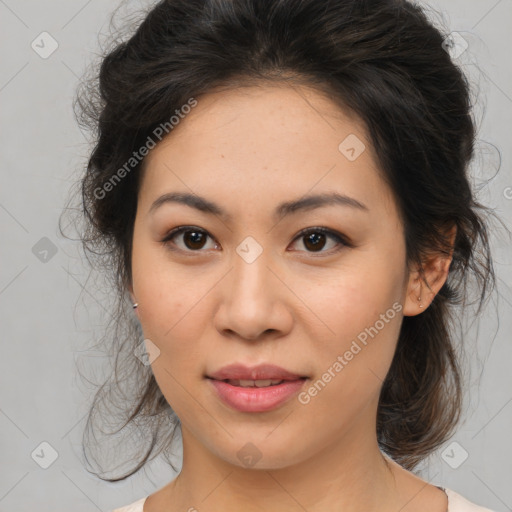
x,y
343,241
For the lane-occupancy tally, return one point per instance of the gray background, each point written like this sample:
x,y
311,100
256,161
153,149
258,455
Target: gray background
x,y
51,312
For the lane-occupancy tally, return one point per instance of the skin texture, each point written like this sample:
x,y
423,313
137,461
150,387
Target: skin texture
x,y
249,150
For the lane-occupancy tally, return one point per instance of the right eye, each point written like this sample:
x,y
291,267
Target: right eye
x,y
193,239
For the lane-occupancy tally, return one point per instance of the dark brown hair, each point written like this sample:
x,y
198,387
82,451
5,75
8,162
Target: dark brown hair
x,y
381,59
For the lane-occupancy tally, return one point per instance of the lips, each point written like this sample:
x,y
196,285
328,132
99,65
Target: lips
x,y
239,372
256,389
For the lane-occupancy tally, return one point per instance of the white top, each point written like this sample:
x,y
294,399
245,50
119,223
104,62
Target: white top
x,y
456,503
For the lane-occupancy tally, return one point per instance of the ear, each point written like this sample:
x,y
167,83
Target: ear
x,y
434,270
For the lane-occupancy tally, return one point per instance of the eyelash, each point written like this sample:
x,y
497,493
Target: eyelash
x,y
342,240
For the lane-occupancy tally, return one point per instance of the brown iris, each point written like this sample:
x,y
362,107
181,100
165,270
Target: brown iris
x,y
194,239
314,241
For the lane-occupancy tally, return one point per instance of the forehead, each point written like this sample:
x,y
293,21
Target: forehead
x,y
226,117
266,141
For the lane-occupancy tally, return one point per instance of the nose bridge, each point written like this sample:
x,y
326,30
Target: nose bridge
x,y
249,296
250,273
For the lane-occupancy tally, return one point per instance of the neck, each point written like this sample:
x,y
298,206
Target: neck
x,y
350,475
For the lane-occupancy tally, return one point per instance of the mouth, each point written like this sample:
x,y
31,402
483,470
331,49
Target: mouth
x,y
260,373
257,389
262,383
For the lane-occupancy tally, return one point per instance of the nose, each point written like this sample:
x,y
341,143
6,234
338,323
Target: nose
x,y
253,301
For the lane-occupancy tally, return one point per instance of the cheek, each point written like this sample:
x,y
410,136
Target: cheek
x,y
351,366
357,299
163,293
173,321
362,309
174,309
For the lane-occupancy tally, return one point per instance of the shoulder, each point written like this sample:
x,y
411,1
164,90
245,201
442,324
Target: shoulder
x,y
136,506
457,503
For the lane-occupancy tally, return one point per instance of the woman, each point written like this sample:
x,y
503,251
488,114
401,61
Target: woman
x,y
280,188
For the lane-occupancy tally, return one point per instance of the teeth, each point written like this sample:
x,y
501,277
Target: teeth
x,y
254,383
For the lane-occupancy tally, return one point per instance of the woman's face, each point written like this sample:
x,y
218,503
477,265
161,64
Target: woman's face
x,y
246,287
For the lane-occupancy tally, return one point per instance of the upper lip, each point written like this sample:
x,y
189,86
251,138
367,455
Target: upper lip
x,y
259,372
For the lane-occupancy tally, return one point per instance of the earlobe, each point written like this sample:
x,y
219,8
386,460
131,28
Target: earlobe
x,y
424,285
414,301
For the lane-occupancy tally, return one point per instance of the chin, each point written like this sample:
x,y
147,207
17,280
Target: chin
x,y
262,453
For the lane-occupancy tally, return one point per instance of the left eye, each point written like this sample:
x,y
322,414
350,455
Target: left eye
x,y
314,239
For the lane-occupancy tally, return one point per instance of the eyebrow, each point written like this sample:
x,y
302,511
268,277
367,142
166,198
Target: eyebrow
x,y
306,203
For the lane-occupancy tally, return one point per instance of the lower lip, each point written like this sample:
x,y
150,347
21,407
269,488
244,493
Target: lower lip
x,y
256,399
